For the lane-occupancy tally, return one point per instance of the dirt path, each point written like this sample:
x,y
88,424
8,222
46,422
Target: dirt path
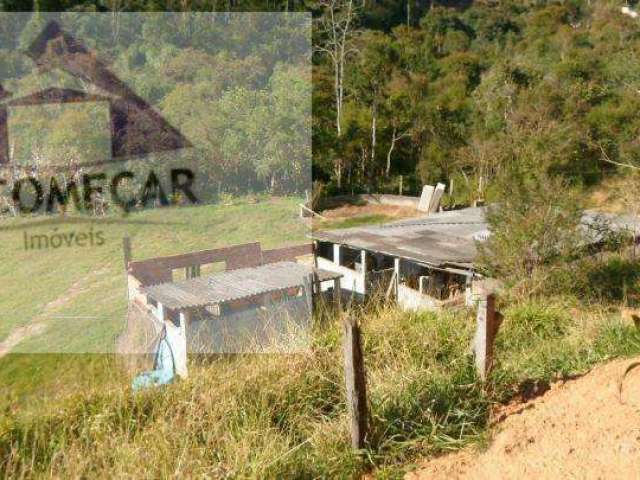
x,y
18,335
38,325
578,429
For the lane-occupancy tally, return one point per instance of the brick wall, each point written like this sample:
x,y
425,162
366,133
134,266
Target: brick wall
x,y
159,270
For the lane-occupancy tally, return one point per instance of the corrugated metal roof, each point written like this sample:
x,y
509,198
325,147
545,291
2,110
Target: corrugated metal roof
x,y
445,238
234,285
439,239
596,223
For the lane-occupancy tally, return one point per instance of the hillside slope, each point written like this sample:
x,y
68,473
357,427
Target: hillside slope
x,y
577,426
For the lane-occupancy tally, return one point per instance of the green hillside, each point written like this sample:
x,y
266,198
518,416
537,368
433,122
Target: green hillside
x,y
78,295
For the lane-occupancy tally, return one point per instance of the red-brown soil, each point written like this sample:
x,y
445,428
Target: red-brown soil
x,y
581,428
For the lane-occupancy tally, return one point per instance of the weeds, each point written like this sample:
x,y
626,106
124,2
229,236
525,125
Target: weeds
x,y
276,416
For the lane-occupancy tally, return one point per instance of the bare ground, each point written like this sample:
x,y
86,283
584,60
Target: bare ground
x,y
18,335
581,428
349,211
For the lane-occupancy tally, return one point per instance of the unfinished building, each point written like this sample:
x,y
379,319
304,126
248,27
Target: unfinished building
x,y
425,263
428,262
228,300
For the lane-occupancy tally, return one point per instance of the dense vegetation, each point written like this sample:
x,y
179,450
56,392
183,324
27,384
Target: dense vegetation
x,y
275,416
526,103
238,88
278,416
434,93
551,85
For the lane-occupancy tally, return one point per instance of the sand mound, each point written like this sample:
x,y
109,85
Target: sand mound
x,y
578,429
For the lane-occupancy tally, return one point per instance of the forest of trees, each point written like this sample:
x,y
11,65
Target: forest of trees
x,y
237,87
457,95
451,91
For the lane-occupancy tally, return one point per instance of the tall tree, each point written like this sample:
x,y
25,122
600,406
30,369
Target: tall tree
x,y
336,27
376,62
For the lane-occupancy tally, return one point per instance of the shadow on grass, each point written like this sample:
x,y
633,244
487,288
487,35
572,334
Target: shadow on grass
x,y
618,279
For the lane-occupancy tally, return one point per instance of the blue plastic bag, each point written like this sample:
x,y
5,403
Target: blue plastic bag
x,y
163,370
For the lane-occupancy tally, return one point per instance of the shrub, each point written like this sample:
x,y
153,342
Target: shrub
x,y
533,225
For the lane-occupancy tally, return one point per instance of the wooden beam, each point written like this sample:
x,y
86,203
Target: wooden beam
x,y
487,324
126,250
308,292
337,294
393,285
317,289
304,208
355,380
315,253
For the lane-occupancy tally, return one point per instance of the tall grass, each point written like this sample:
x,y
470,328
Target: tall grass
x,y
277,416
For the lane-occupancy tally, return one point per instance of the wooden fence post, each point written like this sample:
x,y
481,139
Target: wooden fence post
x,y
355,379
126,249
308,292
337,295
487,325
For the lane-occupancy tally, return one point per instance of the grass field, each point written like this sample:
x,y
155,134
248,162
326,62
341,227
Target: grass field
x,y
78,294
284,416
262,416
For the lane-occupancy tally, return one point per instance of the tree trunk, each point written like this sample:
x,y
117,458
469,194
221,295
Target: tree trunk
x,y
341,85
374,118
391,147
363,162
338,66
338,24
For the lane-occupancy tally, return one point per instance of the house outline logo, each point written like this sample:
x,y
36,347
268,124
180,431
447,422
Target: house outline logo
x,y
136,128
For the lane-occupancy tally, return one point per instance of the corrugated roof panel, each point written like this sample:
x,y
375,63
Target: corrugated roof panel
x,y
443,238
234,285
